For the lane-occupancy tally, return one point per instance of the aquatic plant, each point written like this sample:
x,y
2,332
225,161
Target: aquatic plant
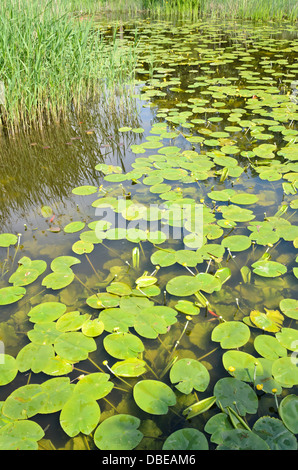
x,y
184,335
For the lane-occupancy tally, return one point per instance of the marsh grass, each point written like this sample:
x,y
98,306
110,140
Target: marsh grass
x,y
265,10
52,60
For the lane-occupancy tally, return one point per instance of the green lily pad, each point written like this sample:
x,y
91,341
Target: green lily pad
x,y
7,239
241,365
269,347
270,321
288,411
183,286
152,321
46,312
238,395
58,390
103,300
34,356
187,307
189,374
231,334
186,439
82,246
285,371
119,432
71,321
237,214
119,288
275,434
132,367
27,272
123,345
74,346
289,307
288,338
244,198
24,402
154,396
237,242
267,268
8,369
20,435
74,227
117,318
93,386
241,439
85,190
10,295
163,258
93,328
79,415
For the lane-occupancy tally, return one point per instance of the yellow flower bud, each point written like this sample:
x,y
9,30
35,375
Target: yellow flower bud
x,y
259,386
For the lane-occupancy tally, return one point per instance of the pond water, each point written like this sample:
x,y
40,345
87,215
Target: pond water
x,y
164,219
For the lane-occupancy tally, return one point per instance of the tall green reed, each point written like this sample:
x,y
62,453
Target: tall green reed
x,y
52,60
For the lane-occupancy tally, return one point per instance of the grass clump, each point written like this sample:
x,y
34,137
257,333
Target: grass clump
x,y
265,10
52,60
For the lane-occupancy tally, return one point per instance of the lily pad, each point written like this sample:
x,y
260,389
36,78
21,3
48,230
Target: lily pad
x,y
74,346
123,345
8,368
79,415
238,395
7,239
20,435
154,396
10,295
241,365
231,334
236,242
132,367
186,439
267,268
189,374
288,411
119,432
275,434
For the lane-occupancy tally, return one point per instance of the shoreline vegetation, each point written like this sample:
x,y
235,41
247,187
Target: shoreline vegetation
x,y
54,59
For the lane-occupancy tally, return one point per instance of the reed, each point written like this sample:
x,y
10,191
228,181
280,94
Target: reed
x,y
265,10
52,60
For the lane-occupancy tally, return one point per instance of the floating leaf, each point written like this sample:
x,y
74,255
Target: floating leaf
x,y
74,227
275,434
267,268
71,321
132,367
236,242
20,435
242,365
119,432
186,439
8,369
7,239
123,345
10,295
289,307
27,272
189,374
46,312
74,346
154,396
238,395
269,347
79,414
269,321
152,321
285,371
231,334
242,439
35,357
187,307
288,411
93,386
58,390
24,402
